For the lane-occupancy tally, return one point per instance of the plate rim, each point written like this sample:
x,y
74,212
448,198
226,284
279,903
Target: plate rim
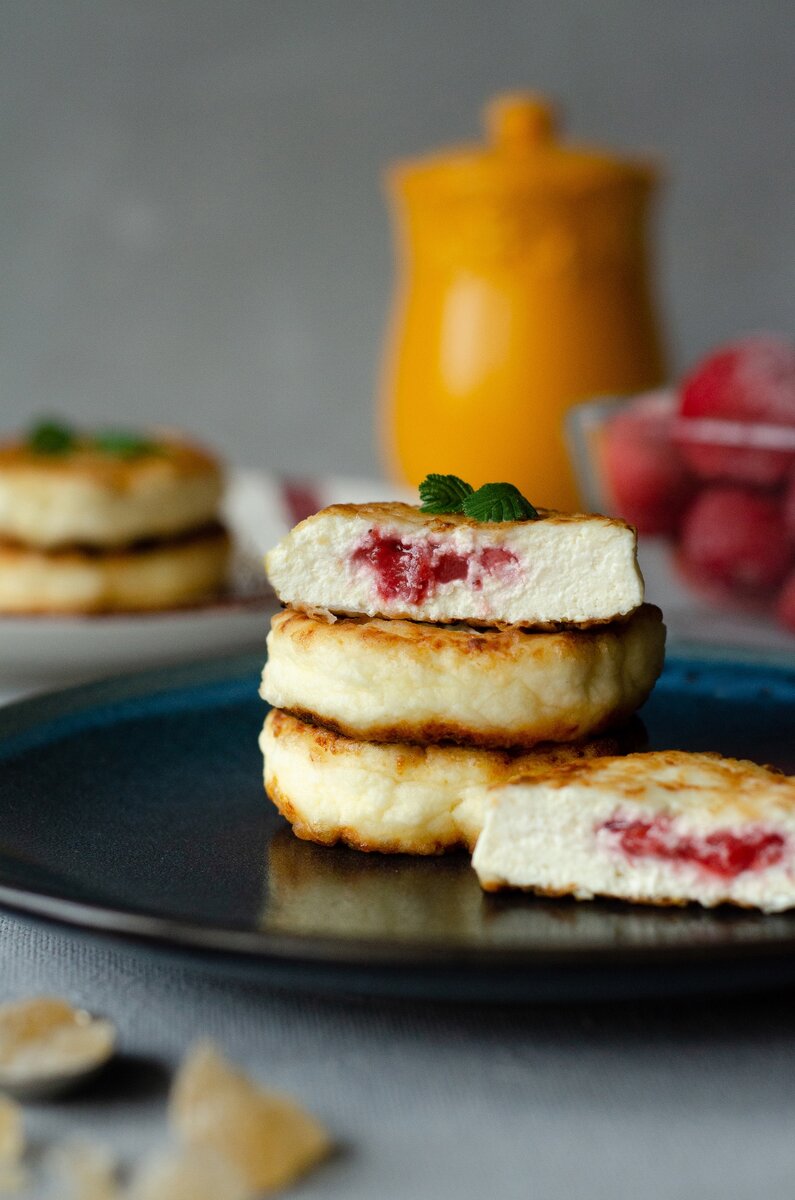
x,y
365,952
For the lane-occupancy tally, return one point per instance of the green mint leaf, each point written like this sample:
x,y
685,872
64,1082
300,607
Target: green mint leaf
x,y
122,444
499,502
443,494
51,437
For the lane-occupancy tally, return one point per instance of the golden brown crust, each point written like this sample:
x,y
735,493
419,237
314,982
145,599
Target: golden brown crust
x,y
383,512
594,623
738,780
175,458
423,733
470,639
619,740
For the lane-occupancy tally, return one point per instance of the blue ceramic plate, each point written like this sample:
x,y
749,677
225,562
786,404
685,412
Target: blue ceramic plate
x,y
134,808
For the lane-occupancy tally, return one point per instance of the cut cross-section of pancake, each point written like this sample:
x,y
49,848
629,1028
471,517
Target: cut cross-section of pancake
x,y
391,560
406,681
666,827
398,798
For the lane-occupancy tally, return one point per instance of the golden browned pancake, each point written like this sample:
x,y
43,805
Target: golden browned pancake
x,y
152,575
398,798
87,497
405,681
394,561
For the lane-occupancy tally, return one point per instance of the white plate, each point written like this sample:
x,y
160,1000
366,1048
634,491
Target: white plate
x,y
39,652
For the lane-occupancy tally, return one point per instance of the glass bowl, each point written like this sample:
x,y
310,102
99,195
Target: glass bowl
x,y
720,495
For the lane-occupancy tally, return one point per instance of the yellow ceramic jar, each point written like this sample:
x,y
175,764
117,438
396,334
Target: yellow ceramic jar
x,y
523,288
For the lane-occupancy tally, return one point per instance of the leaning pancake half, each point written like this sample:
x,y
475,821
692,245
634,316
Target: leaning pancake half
x,y
405,681
151,575
666,827
88,497
397,798
392,560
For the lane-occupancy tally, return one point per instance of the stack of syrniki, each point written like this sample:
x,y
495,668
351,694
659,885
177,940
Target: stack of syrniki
x,y
108,521
421,659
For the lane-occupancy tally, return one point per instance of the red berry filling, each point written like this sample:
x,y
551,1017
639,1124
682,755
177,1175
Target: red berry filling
x,y
722,853
412,571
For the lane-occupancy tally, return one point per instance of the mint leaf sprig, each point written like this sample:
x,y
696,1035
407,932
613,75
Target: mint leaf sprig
x,y
123,444
51,437
443,494
54,438
492,502
499,502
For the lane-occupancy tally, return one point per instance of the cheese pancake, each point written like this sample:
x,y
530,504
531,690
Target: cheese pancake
x,y
397,798
89,498
667,827
407,681
391,560
152,575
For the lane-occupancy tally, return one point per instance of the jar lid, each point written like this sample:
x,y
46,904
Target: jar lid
x,y
523,153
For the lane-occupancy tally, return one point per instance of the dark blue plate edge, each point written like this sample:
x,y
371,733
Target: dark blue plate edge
x,y
47,716
221,939
446,982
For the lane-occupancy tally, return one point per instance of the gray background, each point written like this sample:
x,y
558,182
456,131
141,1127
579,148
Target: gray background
x,y
192,227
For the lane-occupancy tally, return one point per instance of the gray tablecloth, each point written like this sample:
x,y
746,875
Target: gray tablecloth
x,y
652,1100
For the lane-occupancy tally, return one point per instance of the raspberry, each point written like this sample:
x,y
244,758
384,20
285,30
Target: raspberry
x,y
785,605
750,381
645,477
735,537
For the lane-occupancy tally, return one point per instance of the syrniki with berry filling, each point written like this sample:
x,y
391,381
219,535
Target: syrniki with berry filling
x,y
667,827
393,560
